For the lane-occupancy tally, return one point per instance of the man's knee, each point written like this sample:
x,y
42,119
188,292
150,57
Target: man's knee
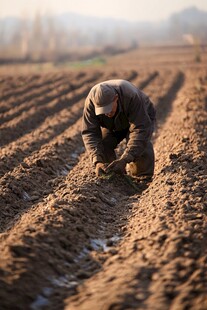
x,y
144,165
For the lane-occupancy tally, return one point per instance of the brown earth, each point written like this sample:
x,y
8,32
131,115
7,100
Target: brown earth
x,y
70,240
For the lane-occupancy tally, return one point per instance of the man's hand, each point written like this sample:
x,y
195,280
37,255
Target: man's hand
x,y
100,169
117,166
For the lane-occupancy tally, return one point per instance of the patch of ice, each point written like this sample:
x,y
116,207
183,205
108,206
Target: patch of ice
x,y
64,281
97,245
115,238
64,171
74,155
26,196
47,291
39,303
69,166
113,200
102,229
101,244
82,254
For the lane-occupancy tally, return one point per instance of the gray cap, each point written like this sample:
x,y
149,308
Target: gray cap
x,y
103,97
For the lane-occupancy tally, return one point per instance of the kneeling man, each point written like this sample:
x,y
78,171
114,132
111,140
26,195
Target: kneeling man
x,y
115,110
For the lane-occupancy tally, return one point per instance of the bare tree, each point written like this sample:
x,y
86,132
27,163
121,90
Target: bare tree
x,y
37,37
24,31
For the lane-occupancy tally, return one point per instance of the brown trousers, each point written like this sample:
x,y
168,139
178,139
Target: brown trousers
x,y
143,166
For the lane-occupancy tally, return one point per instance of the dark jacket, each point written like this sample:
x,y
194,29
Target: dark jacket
x,y
135,111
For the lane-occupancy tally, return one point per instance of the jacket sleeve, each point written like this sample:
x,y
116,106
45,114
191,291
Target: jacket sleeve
x,y
140,129
91,133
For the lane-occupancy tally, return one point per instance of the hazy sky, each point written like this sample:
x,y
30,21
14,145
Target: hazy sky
x,y
151,10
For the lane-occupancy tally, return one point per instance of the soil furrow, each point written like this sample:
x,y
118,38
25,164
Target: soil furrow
x,y
142,84
160,85
15,108
62,261
48,93
164,104
44,81
30,181
36,116
43,89
45,96
42,136
14,82
144,78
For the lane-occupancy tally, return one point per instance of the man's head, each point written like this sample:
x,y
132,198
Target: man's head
x,y
104,99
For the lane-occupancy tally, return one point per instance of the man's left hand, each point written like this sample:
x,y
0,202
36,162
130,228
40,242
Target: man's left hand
x,y
117,166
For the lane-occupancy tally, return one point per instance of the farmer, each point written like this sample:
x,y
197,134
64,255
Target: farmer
x,y
115,110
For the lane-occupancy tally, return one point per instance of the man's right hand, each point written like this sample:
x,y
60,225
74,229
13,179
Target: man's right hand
x,y
100,169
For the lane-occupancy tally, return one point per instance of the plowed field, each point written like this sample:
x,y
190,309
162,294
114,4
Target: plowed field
x,y
70,240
